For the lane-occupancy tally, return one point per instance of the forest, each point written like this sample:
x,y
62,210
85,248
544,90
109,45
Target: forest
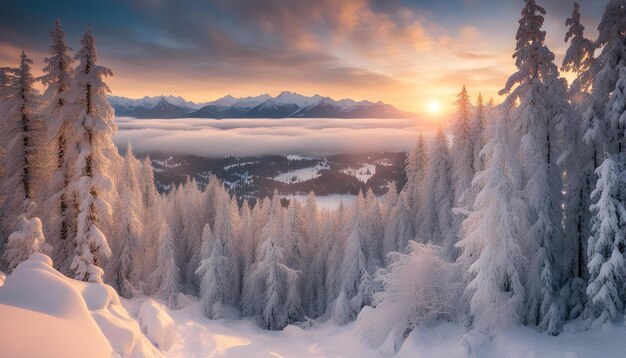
x,y
513,213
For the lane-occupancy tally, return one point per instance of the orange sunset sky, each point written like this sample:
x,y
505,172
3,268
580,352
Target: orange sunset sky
x,y
414,55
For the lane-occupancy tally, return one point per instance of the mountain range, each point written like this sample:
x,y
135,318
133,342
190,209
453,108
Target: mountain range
x,y
285,105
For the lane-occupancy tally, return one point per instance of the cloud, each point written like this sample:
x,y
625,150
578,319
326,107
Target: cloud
x,y
248,137
389,50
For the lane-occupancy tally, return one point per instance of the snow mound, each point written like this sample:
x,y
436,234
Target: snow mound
x,y
65,317
157,325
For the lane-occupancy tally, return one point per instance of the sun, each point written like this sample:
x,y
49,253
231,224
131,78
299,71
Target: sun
x,y
434,107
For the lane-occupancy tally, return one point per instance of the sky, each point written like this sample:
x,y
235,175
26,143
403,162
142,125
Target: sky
x,y
413,54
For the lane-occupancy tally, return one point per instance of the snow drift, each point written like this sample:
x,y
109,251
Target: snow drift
x,y
45,314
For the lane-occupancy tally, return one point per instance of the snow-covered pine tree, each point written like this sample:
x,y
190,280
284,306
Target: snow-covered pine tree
x,y
478,135
332,282
214,273
389,201
399,228
462,150
225,230
606,244
357,285
247,236
271,296
60,223
19,117
327,241
491,257
579,58
606,70
373,231
175,201
309,251
436,206
605,123
415,168
579,178
27,240
542,115
271,229
167,273
125,266
153,220
192,226
293,244
92,127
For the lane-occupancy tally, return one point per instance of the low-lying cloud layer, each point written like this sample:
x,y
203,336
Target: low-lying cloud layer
x,y
247,137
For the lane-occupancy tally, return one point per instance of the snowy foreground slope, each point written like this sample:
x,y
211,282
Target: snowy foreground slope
x,y
45,314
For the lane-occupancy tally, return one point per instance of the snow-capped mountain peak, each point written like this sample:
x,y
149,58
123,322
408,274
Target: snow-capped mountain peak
x,y
284,105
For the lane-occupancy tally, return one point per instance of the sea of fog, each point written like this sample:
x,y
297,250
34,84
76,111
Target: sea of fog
x,y
254,136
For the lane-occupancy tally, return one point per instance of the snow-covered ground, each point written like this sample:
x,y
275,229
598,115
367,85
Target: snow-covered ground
x,y
167,163
363,173
239,164
326,201
300,175
298,157
45,314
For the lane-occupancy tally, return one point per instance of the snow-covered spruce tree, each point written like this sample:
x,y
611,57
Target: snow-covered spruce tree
x,y
173,214
606,245
357,285
225,230
60,223
436,206
191,235
5,75
213,273
124,268
27,240
328,240
607,66
605,125
399,228
92,127
312,260
293,244
19,117
491,255
415,168
541,116
272,295
478,135
579,58
578,161
373,231
167,273
332,282
389,201
246,237
462,150
153,220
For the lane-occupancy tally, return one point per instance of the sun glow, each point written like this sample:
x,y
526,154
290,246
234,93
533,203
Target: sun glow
x,y
434,107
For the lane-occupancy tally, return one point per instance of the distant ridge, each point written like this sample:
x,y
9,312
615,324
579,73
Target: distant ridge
x,y
285,105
